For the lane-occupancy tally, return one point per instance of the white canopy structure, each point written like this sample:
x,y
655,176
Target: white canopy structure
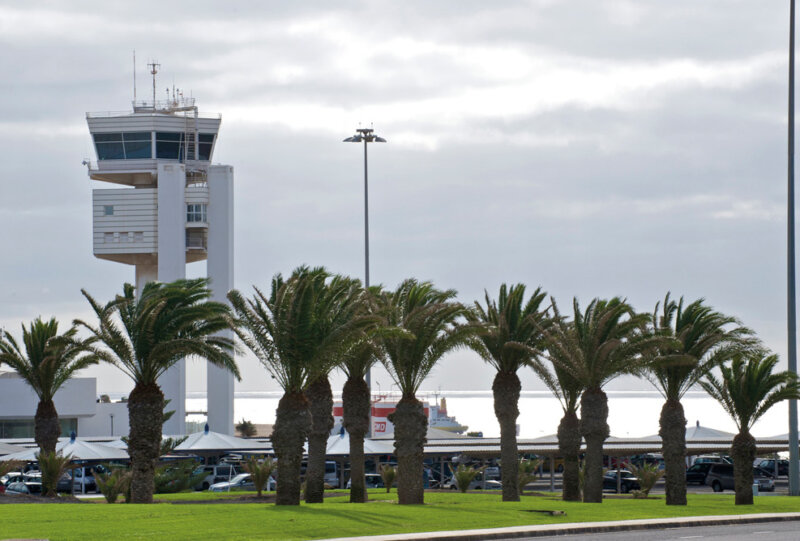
x,y
78,449
206,442
7,449
340,446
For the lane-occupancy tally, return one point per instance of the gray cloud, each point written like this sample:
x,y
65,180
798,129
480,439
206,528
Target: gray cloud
x,y
595,148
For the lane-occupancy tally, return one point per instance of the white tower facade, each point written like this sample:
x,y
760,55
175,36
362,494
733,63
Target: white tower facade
x,y
172,208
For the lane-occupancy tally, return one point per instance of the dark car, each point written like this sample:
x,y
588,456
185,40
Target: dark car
x,y
628,481
721,477
697,473
769,465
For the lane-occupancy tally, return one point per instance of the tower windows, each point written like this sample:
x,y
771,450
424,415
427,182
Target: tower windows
x,y
123,146
179,146
196,213
196,238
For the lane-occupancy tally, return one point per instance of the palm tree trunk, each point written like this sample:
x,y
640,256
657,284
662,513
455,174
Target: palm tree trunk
x,y
594,429
569,445
146,415
292,423
320,398
410,429
743,451
506,389
46,426
355,419
673,446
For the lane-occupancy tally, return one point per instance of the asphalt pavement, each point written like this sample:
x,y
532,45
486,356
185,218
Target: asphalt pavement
x,y
783,531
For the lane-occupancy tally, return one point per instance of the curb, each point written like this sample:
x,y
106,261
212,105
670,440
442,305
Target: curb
x,y
576,528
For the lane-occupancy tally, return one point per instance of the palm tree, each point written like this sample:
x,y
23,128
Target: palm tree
x,y
701,339
341,315
298,333
747,389
511,338
429,318
356,400
48,361
607,340
568,392
145,337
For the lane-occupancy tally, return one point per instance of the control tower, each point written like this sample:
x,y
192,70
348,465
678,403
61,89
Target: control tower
x,y
172,207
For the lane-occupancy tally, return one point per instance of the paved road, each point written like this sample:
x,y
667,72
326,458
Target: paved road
x,y
783,531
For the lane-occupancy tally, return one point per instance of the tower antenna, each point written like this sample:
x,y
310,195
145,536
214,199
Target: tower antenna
x,y
134,78
153,70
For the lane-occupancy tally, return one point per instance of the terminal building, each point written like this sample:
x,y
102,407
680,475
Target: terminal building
x,y
168,206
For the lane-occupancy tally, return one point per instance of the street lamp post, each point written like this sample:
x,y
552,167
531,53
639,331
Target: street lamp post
x,y
794,460
366,135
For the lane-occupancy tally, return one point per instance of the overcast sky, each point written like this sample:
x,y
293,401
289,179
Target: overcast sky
x,y
595,148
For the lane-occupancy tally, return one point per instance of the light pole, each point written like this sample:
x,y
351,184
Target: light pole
x,y
794,460
366,135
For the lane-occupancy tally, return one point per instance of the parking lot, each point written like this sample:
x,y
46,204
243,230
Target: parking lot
x,y
543,485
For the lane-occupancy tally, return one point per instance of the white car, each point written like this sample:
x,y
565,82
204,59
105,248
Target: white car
x,y
371,480
240,482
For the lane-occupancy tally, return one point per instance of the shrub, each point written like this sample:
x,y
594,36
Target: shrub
x,y
388,474
246,429
177,476
52,466
11,465
259,471
648,475
113,482
527,472
463,476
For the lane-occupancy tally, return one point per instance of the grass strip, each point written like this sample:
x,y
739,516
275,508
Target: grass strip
x,y
337,518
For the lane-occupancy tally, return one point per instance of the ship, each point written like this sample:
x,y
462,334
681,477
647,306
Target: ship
x,y
383,405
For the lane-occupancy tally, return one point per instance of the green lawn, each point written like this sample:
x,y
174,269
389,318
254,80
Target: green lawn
x,y
336,517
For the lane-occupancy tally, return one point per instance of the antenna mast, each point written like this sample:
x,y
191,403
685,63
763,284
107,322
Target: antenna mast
x,y
153,70
134,78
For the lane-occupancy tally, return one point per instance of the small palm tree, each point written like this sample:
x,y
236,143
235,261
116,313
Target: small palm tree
x,y
429,318
298,333
52,466
48,361
608,340
464,475
388,474
568,392
700,339
260,471
527,472
145,337
747,389
510,338
356,401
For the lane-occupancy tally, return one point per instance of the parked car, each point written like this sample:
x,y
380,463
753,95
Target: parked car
x,y
628,481
713,459
215,474
83,479
721,477
477,484
373,480
697,473
24,487
769,465
656,459
243,481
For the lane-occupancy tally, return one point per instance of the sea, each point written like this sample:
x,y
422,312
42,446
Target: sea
x,y
632,414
